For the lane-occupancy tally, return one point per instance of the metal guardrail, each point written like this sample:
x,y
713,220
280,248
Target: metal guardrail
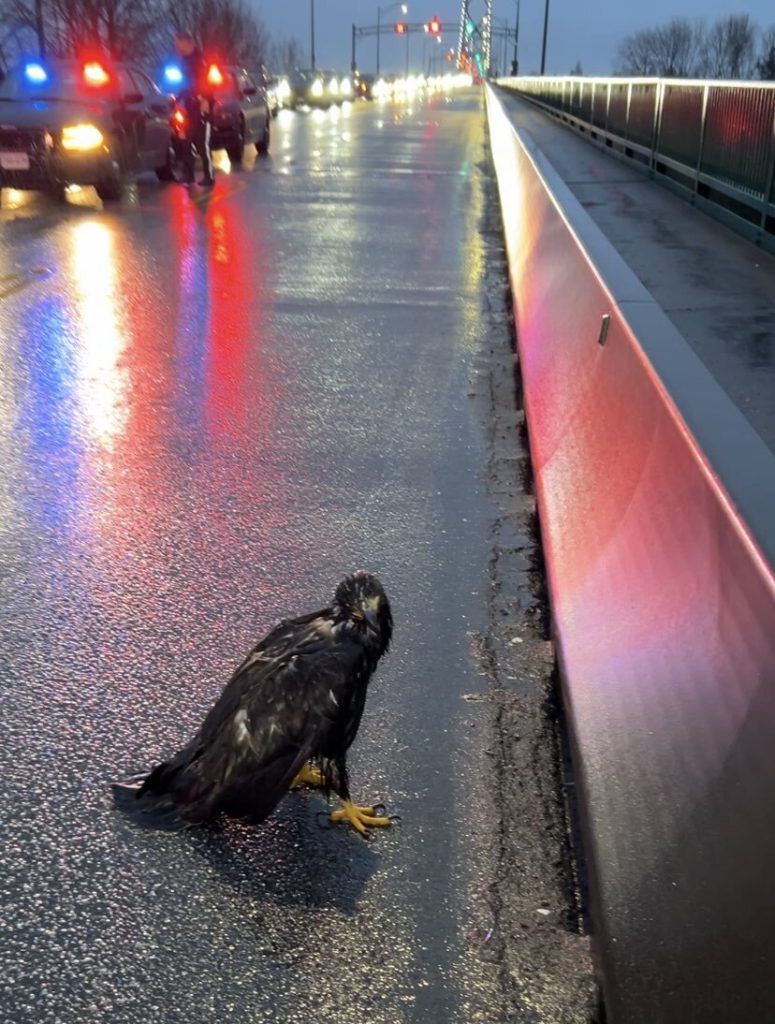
x,y
715,140
657,511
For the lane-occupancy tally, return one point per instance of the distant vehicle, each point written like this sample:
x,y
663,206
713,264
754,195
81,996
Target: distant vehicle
x,y
82,122
338,86
240,114
363,86
307,87
282,91
276,91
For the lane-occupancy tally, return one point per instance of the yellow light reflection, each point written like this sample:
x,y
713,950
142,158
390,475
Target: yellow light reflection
x,y
219,231
13,199
102,382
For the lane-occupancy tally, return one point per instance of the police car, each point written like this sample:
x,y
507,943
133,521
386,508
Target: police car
x,y
240,114
82,122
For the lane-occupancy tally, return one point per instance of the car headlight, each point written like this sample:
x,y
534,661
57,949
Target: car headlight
x,y
317,88
283,90
81,137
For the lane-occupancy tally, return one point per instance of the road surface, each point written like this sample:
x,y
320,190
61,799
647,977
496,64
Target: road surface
x,y
213,406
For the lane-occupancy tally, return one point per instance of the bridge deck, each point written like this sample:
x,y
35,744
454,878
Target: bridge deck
x,y
717,288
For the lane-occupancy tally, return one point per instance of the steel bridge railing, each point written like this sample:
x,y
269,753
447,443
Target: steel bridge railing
x,y
714,139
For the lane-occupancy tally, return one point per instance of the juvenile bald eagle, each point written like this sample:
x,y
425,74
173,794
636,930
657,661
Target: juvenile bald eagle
x,y
287,717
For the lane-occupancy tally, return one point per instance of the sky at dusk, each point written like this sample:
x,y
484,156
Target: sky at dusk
x,y
588,32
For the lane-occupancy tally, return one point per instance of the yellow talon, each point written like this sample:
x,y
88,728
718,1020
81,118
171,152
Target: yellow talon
x,y
308,775
360,818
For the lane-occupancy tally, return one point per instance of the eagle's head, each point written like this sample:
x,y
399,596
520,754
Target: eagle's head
x,y
360,599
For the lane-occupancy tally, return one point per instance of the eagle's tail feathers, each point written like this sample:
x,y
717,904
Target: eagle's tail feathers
x,y
148,807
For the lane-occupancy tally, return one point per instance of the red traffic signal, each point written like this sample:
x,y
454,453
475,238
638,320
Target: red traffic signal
x,y
434,26
401,28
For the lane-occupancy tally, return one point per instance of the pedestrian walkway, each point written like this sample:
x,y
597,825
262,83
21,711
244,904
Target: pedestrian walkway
x,y
716,287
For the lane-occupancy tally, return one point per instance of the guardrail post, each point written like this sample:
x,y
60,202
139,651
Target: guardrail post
x,y
769,186
701,147
656,129
627,113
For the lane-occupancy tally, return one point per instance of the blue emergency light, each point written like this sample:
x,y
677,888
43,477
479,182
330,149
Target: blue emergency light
x,y
173,74
35,73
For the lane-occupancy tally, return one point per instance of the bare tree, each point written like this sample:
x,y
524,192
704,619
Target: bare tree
x,y
134,29
765,65
223,27
667,51
680,49
121,28
636,54
729,48
17,29
285,54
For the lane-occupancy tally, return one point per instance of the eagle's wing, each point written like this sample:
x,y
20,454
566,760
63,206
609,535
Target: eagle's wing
x,y
268,721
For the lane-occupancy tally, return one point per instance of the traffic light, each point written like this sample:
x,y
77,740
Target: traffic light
x,y
401,28
434,26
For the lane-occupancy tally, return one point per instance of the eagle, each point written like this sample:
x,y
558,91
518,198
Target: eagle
x,y
286,718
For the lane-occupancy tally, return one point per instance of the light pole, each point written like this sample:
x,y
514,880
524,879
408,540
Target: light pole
x,y
39,28
312,30
380,11
515,61
546,26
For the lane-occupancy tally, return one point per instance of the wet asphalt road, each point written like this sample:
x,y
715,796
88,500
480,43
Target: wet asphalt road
x,y
212,407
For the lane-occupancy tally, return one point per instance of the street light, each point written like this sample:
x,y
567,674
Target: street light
x,y
515,61
380,12
546,27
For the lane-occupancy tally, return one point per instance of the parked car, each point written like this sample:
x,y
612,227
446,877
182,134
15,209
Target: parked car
x,y
281,92
240,114
271,84
77,122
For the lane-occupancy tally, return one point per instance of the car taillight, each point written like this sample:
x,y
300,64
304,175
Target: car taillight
x,y
178,119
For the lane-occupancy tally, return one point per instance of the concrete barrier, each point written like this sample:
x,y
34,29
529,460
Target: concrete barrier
x,y
657,505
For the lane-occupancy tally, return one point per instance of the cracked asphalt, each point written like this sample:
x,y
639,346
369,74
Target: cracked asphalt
x,y
213,406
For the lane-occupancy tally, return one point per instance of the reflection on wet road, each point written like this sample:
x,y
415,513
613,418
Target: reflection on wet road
x,y
213,405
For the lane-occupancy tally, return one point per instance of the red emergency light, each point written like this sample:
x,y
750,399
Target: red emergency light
x,y
214,75
95,74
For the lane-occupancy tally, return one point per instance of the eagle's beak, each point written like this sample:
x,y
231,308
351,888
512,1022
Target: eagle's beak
x,y
372,619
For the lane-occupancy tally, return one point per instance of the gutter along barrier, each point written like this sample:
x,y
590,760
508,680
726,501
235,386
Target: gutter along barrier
x,y
657,508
